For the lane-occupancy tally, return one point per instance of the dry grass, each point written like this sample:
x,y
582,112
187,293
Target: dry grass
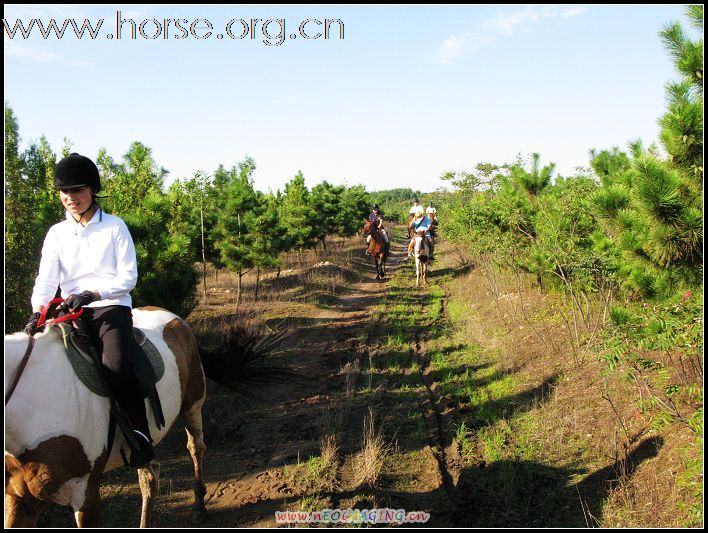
x,y
374,451
330,450
654,495
351,373
314,278
586,420
300,275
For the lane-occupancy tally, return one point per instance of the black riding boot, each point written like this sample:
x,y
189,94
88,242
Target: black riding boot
x,y
130,398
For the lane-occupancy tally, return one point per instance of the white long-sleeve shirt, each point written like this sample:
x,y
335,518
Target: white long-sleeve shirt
x,y
97,257
416,209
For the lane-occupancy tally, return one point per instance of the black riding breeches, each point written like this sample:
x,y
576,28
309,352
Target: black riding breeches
x,y
111,329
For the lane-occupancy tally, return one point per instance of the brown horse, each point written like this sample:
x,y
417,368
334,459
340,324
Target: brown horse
x,y
378,248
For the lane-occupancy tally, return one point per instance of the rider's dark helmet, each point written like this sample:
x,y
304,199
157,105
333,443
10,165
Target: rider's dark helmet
x,y
376,206
415,200
76,171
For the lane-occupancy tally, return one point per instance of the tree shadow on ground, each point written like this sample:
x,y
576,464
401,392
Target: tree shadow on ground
x,y
505,494
530,494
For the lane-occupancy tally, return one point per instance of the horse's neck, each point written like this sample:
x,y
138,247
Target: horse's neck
x,y
421,247
16,346
47,398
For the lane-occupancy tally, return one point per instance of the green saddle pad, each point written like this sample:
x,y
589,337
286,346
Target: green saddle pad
x,y
86,370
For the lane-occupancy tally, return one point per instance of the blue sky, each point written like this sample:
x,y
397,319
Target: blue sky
x,y
407,94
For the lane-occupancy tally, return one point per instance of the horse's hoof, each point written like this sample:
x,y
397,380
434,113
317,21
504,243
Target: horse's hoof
x,y
199,517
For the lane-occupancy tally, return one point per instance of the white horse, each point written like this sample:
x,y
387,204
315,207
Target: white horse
x,y
421,252
56,429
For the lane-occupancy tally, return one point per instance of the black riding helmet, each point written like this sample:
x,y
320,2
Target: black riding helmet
x,y
376,206
76,171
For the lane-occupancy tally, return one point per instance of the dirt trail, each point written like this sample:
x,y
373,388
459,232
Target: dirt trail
x,y
248,479
257,448
254,446
444,447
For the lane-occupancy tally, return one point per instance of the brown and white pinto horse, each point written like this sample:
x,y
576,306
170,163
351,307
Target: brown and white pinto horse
x,y
56,429
378,248
421,252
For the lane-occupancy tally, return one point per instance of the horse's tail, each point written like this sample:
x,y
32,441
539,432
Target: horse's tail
x,y
239,360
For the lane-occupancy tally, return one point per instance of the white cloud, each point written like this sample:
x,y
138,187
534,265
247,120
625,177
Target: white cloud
x,y
13,49
502,25
25,53
458,45
574,12
452,47
508,23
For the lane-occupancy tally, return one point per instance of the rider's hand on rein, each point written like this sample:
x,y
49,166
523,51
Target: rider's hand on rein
x,y
74,302
31,327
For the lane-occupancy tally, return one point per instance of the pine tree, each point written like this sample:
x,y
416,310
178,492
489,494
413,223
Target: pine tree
x,y
297,213
234,228
166,274
269,235
31,207
652,207
20,264
534,181
325,201
355,206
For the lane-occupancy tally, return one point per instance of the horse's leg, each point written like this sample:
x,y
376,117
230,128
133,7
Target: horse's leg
x,y
149,479
90,513
417,272
197,449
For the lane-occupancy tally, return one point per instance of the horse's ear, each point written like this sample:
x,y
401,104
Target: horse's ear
x,y
12,465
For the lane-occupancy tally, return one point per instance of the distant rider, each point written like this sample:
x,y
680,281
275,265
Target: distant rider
x,y
433,216
432,213
421,225
415,211
377,218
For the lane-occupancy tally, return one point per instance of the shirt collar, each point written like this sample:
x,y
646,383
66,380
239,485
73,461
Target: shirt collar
x,y
97,217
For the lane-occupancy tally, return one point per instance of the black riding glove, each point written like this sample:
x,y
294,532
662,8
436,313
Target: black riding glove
x,y
31,327
74,302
